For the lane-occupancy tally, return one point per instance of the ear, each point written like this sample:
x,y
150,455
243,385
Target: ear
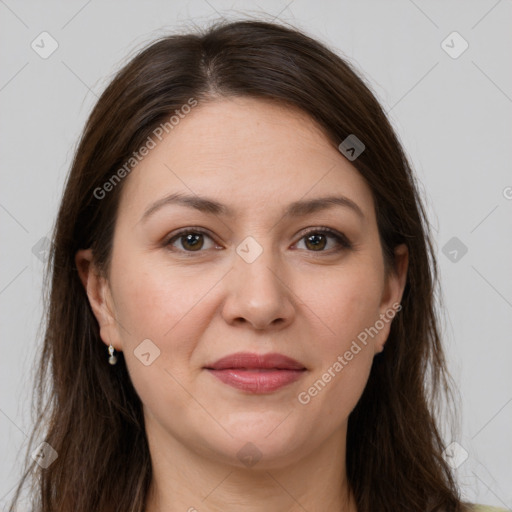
x,y
392,294
100,297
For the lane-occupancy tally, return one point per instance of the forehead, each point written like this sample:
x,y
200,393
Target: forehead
x,y
247,153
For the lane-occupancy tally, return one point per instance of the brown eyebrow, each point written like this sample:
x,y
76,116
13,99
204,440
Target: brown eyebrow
x,y
210,206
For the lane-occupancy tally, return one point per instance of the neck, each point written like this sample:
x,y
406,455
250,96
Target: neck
x,y
185,480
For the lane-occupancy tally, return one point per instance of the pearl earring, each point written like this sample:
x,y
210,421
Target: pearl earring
x,y
112,359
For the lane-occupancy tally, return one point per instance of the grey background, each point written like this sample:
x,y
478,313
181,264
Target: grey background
x,y
452,114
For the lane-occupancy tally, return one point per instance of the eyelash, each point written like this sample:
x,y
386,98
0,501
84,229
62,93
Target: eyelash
x,y
340,238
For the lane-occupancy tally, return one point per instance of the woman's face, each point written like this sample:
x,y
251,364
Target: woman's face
x,y
250,279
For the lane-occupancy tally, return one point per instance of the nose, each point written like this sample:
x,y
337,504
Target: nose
x,y
259,292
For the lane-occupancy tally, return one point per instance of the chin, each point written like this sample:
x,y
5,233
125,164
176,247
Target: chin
x,y
261,447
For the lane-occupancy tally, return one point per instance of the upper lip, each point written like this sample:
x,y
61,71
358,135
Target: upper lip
x,y
252,360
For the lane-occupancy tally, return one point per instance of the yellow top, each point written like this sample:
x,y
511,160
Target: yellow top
x,y
488,508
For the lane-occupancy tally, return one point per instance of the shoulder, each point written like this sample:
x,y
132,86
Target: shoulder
x,y
484,508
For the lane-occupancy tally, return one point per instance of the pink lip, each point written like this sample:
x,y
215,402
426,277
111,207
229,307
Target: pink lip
x,y
257,373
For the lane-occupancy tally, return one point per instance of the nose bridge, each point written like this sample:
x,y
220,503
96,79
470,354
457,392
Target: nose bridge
x,y
258,293
258,261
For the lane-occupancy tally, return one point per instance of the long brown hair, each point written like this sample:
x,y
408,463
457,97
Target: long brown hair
x,y
89,412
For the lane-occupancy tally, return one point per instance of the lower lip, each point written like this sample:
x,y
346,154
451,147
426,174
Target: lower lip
x,y
257,381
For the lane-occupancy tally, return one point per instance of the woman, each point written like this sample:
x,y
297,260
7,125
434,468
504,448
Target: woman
x,y
241,310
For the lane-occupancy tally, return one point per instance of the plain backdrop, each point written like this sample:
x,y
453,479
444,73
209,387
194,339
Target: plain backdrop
x,y
450,105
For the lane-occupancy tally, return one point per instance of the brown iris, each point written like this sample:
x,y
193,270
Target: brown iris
x,y
193,241
315,241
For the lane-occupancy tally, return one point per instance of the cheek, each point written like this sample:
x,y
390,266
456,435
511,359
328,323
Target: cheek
x,y
173,307
164,306
156,302
348,302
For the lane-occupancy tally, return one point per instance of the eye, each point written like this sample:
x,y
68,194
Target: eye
x,y
190,239
316,240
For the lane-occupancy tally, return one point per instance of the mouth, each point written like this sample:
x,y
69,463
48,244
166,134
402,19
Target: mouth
x,y
257,373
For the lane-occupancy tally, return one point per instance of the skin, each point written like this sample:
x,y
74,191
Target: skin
x,y
256,157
